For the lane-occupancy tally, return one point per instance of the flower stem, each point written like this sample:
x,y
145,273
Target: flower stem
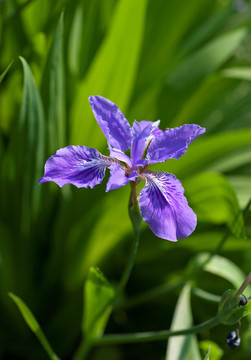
x,y
156,336
135,216
151,294
244,285
83,350
136,219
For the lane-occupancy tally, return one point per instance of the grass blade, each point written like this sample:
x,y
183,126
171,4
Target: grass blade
x,y
33,325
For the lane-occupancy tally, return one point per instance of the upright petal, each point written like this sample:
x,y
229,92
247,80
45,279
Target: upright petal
x,y
112,122
164,207
119,177
173,143
142,133
77,165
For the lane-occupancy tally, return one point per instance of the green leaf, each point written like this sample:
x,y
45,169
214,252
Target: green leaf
x,y
28,147
209,240
204,153
112,72
242,73
87,24
33,325
2,76
54,91
98,296
241,185
183,347
216,352
222,267
104,235
229,312
207,59
214,201
207,354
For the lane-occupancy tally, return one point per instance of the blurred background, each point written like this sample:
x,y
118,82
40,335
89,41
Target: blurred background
x,y
178,61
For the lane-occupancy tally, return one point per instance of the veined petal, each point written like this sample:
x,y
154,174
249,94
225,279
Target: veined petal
x,y
173,143
77,165
119,177
164,207
119,155
142,133
112,122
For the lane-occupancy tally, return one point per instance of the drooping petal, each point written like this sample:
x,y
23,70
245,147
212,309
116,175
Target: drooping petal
x,y
77,165
120,155
164,207
143,132
119,177
112,122
173,143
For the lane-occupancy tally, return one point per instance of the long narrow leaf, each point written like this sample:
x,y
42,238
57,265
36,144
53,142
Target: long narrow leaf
x,y
4,73
33,325
112,73
183,347
54,91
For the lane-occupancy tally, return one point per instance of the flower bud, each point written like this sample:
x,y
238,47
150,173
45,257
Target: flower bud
x,y
233,340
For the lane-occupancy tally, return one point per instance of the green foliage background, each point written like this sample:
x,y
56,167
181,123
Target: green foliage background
x,y
179,61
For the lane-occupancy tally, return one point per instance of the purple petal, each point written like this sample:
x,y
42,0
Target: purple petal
x,y
173,143
143,133
164,207
112,122
119,155
77,165
119,177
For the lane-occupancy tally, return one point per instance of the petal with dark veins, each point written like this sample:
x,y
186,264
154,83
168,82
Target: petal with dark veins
x,y
164,207
173,143
112,122
77,165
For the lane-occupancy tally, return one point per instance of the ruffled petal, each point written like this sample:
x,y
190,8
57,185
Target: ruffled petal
x,y
119,155
77,165
173,143
164,207
119,177
112,122
143,132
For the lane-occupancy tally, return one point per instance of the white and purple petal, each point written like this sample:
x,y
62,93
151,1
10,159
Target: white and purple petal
x,y
119,177
173,143
120,155
77,165
164,207
142,133
112,122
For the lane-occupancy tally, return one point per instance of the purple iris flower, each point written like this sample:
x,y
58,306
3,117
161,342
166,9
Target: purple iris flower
x,y
162,202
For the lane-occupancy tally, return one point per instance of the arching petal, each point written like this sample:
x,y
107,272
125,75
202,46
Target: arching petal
x,y
142,133
173,143
119,177
120,155
112,122
77,165
164,207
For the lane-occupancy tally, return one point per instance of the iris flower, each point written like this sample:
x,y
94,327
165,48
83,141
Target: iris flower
x,y
162,203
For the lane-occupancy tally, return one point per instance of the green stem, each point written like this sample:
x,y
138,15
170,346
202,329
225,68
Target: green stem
x,y
244,285
151,294
83,350
163,289
135,217
156,336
